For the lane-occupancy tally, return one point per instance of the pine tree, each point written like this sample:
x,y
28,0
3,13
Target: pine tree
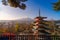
x,y
15,3
56,6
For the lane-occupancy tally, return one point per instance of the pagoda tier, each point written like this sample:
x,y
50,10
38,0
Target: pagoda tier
x,y
39,28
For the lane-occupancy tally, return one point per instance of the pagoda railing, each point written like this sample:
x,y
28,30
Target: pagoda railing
x,y
30,37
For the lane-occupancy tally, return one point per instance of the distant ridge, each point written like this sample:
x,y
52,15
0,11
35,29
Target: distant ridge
x,y
22,20
26,20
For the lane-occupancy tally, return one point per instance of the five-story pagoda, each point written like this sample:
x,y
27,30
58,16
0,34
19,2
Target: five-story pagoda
x,y
39,28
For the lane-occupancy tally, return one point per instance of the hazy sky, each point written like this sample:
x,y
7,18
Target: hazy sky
x,y
32,10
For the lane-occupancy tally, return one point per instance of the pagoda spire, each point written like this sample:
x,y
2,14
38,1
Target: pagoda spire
x,y
39,13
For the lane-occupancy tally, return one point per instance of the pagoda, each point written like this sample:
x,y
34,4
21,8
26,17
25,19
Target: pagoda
x,y
39,28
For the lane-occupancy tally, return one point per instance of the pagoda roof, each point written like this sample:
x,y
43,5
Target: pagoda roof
x,y
41,17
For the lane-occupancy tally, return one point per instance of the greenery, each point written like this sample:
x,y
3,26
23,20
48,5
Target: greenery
x,y
56,6
15,3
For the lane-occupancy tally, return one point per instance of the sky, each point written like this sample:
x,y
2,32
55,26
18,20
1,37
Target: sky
x,y
31,11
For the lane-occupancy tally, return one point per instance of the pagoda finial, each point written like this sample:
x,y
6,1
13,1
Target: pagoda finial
x,y
39,13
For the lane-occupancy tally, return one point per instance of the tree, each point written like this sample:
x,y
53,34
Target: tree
x,y
15,3
17,27
56,6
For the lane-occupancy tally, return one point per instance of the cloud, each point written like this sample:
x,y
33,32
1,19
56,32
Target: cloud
x,y
10,13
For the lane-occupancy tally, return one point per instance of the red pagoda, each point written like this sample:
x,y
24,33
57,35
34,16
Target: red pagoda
x,y
39,27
